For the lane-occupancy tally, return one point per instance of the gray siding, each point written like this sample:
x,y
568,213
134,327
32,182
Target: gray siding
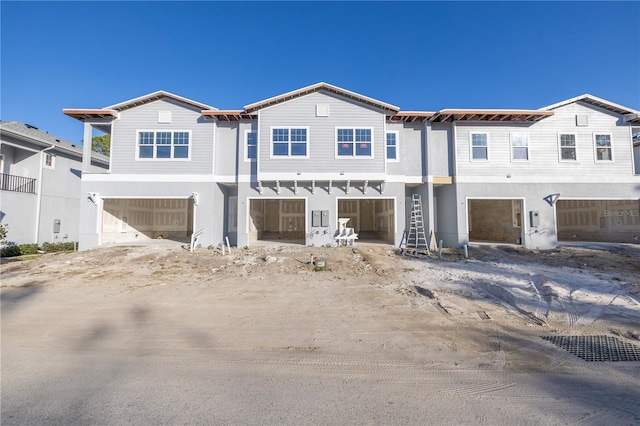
x,y
322,135
226,158
440,151
543,146
410,152
145,117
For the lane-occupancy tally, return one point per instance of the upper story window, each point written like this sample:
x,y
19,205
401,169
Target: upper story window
x,y
49,161
519,146
354,142
603,147
289,142
479,146
567,142
163,145
392,146
251,145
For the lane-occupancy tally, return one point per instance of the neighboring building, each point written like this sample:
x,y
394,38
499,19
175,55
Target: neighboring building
x,y
40,184
288,167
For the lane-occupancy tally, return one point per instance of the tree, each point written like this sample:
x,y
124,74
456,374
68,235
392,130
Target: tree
x,y
101,144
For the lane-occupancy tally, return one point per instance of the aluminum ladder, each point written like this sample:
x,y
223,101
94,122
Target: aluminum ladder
x,y
415,240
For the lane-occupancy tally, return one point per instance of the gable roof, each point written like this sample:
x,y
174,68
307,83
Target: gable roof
x,y
111,111
316,88
36,136
595,101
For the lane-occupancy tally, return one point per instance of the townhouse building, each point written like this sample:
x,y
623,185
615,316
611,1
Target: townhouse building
x,y
40,184
288,167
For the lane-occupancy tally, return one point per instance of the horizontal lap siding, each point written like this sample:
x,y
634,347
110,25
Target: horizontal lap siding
x,y
145,117
302,112
543,146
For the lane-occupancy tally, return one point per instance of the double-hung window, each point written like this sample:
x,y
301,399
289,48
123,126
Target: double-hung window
x,y
567,146
603,147
519,146
479,146
49,161
354,142
290,142
163,145
392,146
251,145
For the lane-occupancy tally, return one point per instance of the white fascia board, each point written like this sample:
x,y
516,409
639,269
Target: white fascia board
x,y
108,177
163,93
583,97
289,176
530,179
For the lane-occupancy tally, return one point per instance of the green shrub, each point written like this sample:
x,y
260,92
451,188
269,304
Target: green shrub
x,y
28,248
10,251
56,247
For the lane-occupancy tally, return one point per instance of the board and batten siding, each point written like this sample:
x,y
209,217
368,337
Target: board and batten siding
x,y
124,141
410,150
226,151
322,135
543,146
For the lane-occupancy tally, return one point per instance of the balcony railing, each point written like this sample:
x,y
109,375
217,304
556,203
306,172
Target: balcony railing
x,y
17,183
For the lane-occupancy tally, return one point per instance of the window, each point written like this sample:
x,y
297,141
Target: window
x,y
165,145
392,146
354,143
479,146
520,146
251,145
49,161
289,141
567,143
604,150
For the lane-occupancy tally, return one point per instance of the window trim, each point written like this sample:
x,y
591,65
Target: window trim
x,y
53,161
575,147
595,148
520,160
137,149
386,146
478,160
353,154
289,156
246,146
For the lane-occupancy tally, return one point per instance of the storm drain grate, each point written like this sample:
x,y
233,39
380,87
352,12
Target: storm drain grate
x,y
596,348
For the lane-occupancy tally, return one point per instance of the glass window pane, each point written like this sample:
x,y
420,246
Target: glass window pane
x,y
298,135
252,139
280,149
299,149
146,152
345,135
391,152
568,153
363,135
163,151
363,149
181,138
520,153
478,139
181,151
146,138
603,140
479,153
252,152
604,154
345,148
163,138
280,135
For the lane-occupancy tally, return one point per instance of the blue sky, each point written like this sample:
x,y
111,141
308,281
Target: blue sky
x,y
416,55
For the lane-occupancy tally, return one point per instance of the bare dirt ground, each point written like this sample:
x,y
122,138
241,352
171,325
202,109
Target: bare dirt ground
x,y
158,335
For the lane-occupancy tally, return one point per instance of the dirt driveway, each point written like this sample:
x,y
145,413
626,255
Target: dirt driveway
x,y
157,335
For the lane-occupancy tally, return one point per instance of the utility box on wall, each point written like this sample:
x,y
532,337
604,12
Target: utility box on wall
x,y
534,218
320,218
56,226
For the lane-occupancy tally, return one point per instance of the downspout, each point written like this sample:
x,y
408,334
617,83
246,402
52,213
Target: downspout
x,y
39,195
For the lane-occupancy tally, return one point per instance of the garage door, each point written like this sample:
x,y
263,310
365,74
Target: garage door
x,y
598,220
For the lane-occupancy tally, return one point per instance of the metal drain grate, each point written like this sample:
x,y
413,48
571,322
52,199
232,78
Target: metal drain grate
x,y
596,348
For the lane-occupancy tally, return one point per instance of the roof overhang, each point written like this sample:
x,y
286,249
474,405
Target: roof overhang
x,y
89,114
632,118
228,115
410,116
450,115
318,87
595,101
155,96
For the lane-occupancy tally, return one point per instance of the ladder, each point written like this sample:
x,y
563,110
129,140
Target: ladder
x,y
415,240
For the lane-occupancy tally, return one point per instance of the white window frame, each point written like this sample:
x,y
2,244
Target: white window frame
x,y
289,142
520,160
172,145
246,146
386,146
471,146
353,153
575,147
51,166
595,148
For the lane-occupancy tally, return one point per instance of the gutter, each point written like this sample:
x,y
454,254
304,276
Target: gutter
x,y
39,199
